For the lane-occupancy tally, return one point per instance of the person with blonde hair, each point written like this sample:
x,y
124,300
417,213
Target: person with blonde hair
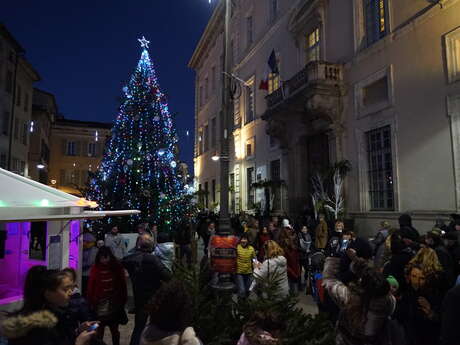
x,y
419,309
274,267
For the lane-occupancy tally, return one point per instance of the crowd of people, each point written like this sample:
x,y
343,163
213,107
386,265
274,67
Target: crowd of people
x,y
398,287
56,312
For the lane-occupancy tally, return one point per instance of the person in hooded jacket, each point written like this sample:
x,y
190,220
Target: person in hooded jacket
x,y
288,242
170,313
365,304
274,266
164,250
43,319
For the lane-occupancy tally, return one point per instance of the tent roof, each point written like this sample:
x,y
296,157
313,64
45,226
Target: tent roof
x,y
18,191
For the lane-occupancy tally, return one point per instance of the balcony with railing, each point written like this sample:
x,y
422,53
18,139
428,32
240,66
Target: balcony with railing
x,y
317,76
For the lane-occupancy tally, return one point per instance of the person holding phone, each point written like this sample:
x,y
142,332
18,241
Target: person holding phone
x,y
41,320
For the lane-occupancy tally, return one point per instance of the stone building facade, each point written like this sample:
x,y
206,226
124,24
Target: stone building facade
x,y
17,77
76,147
375,82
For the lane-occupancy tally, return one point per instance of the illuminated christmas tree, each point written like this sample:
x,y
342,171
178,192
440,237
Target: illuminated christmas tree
x,y
139,167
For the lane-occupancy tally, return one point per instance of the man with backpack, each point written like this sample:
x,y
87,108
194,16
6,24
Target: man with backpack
x,y
146,273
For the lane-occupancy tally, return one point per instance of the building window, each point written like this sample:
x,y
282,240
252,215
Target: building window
x,y
5,123
376,92
9,82
214,132
250,189
25,129
200,141
273,9
26,102
206,89
453,55
206,138
16,128
380,173
313,46
272,140
275,175
375,12
71,148
249,31
18,95
250,147
250,107
92,149
213,191
273,82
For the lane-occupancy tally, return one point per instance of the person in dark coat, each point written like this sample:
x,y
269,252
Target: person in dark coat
x,y
409,234
184,241
450,332
452,245
78,306
43,319
419,309
146,273
401,254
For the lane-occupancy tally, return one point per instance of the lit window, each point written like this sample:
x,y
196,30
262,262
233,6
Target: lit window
x,y
313,46
273,82
375,12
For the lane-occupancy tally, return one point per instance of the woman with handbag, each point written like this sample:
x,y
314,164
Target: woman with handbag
x,y
107,293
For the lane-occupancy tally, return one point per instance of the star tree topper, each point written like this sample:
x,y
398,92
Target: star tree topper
x,y
144,43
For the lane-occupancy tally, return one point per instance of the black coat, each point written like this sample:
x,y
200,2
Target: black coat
x,y
396,266
450,330
146,272
419,329
43,327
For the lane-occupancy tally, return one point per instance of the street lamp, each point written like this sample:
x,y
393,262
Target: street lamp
x,y
223,156
40,166
224,244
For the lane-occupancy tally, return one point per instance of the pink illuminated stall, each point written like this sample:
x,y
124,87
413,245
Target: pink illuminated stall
x,y
39,225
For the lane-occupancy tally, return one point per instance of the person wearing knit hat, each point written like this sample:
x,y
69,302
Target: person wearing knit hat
x,y
394,285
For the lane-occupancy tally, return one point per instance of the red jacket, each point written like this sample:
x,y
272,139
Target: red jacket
x,y
293,263
107,281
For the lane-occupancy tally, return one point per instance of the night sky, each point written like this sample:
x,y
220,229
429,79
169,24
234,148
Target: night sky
x,y
85,51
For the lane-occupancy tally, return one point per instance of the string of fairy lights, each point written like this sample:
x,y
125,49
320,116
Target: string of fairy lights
x,y
139,167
